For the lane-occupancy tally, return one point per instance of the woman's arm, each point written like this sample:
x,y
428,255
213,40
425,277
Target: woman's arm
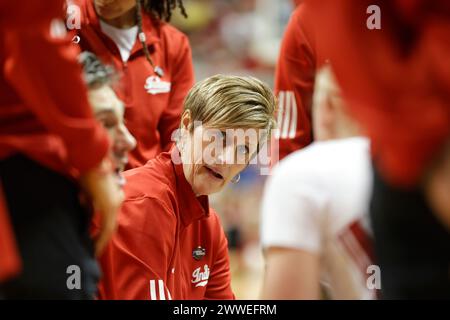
x,y
291,274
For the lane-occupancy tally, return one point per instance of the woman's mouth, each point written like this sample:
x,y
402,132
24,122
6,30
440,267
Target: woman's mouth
x,y
214,173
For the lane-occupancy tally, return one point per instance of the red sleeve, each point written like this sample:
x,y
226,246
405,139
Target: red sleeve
x,y
294,83
10,263
135,259
219,284
396,86
44,72
28,16
182,81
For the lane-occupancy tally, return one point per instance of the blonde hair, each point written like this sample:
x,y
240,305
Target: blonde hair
x,y
224,101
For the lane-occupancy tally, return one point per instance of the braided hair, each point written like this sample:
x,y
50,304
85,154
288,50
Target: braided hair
x,y
162,9
158,10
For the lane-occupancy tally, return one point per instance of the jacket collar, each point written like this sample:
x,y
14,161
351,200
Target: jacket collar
x,y
149,27
192,208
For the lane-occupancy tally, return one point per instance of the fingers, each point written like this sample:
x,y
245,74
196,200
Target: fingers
x,y
437,187
107,229
109,219
438,191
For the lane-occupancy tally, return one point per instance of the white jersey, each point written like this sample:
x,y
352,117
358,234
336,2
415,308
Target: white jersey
x,y
317,200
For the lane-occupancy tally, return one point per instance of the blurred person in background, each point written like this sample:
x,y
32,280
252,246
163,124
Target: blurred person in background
x,y
51,149
154,62
391,59
294,82
315,209
170,244
108,110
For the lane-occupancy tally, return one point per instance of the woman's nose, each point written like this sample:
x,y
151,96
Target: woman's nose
x,y
128,141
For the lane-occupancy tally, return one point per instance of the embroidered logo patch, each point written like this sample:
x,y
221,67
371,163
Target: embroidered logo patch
x,y
155,85
198,253
200,278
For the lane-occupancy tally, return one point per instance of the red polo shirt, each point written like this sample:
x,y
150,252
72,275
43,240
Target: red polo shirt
x,y
163,228
294,82
151,115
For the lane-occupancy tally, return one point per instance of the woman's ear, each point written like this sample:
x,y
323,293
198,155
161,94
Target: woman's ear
x,y
186,120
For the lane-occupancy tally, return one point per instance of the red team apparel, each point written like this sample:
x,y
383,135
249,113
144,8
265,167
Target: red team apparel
x,y
294,82
153,105
10,263
396,86
169,243
42,115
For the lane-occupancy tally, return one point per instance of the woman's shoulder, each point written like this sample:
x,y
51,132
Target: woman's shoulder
x,y
172,36
155,179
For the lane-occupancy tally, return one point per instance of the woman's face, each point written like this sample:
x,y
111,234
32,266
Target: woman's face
x,y
112,9
109,110
213,157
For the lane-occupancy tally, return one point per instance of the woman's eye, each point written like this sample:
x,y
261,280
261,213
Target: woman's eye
x,y
107,118
109,122
221,136
216,136
243,149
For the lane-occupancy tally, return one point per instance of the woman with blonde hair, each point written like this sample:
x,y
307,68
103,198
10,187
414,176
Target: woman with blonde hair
x,y
169,243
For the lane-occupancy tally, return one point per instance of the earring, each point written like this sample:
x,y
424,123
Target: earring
x,y
236,178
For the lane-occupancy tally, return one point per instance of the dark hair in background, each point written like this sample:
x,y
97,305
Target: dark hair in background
x,y
95,73
162,9
158,10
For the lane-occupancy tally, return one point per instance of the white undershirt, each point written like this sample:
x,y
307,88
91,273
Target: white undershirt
x,y
124,38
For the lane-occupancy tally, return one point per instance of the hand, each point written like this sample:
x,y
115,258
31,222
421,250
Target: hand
x,y
106,195
437,187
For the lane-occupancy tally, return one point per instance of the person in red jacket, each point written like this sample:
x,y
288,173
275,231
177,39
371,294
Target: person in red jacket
x,y
154,60
391,59
169,243
294,82
48,136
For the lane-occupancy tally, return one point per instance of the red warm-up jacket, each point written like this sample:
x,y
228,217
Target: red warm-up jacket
x,y
395,79
169,243
153,105
44,111
294,83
